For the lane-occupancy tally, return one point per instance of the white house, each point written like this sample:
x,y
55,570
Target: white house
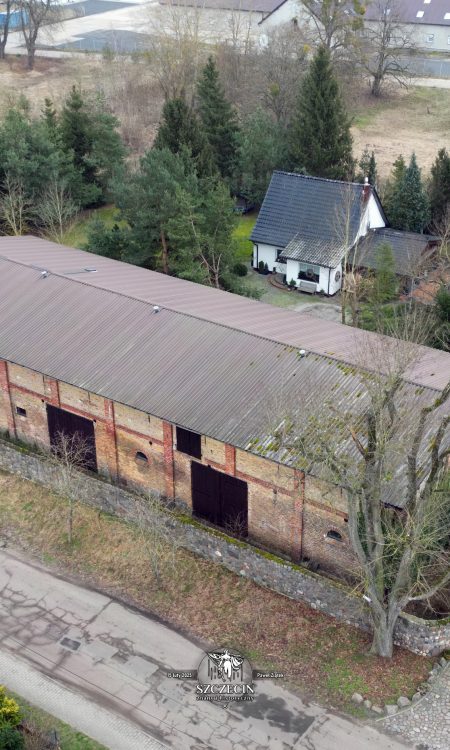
x,y
307,226
426,21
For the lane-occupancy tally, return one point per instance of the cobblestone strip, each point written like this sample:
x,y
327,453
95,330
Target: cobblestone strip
x,y
82,714
428,721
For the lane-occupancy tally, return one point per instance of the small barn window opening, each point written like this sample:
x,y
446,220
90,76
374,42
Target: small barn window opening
x,y
141,457
189,442
332,534
21,412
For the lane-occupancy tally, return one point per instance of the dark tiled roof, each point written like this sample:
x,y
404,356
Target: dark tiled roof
x,y
434,12
308,209
410,250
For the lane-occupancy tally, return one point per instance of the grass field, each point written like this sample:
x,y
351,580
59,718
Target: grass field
x,y
76,234
413,120
324,659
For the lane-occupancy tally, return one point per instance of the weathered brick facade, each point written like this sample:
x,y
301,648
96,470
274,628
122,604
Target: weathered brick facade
x,y
287,512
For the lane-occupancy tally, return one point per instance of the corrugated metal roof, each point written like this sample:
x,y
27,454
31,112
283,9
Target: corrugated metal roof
x,y
220,377
344,343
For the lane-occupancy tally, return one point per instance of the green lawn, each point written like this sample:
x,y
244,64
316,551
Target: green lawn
x,y
76,234
69,738
242,233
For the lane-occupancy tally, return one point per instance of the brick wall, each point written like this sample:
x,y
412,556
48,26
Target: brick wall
x,y
321,593
286,512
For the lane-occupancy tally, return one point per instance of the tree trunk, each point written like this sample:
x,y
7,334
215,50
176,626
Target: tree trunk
x,y
70,524
376,85
30,59
165,253
383,635
2,50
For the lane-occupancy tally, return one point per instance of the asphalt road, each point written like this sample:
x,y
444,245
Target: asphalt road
x,y
102,667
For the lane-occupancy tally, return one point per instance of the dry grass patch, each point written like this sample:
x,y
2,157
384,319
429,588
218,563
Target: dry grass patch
x,y
321,657
406,121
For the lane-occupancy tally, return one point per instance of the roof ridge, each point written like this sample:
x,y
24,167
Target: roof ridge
x,y
328,357
319,179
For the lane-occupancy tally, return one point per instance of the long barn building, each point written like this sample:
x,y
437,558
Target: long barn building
x,y
177,385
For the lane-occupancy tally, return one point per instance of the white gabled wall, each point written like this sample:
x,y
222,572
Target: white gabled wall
x,y
265,253
325,275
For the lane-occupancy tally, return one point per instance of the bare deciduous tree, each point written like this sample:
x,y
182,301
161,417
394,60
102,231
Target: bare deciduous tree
x,y
389,450
335,23
15,207
158,540
388,42
69,454
35,13
4,27
55,209
282,62
177,49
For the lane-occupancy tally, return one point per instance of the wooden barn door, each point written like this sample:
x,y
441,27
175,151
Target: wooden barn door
x,y
219,498
61,421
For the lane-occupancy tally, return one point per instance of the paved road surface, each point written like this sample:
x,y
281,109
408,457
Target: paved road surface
x,y
57,636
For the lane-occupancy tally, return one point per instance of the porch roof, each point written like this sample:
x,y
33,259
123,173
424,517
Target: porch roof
x,y
310,249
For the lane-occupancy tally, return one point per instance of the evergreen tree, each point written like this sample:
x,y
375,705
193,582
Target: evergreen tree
x,y
320,140
442,332
392,192
218,119
148,200
202,234
408,205
180,129
262,149
90,135
50,117
368,167
440,186
385,286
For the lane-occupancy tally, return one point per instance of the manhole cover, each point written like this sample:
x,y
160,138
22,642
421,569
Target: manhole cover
x,y
69,643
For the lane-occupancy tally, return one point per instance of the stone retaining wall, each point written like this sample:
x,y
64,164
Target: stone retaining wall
x,y
421,636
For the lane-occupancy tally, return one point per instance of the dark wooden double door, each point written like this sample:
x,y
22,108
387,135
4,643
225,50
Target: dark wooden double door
x,y
220,499
64,422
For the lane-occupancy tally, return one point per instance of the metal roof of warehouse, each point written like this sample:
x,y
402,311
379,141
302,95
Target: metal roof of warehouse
x,y
205,361
343,343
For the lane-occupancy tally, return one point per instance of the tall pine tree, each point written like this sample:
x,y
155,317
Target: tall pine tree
x,y
218,120
320,140
179,128
89,134
440,186
368,167
408,205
